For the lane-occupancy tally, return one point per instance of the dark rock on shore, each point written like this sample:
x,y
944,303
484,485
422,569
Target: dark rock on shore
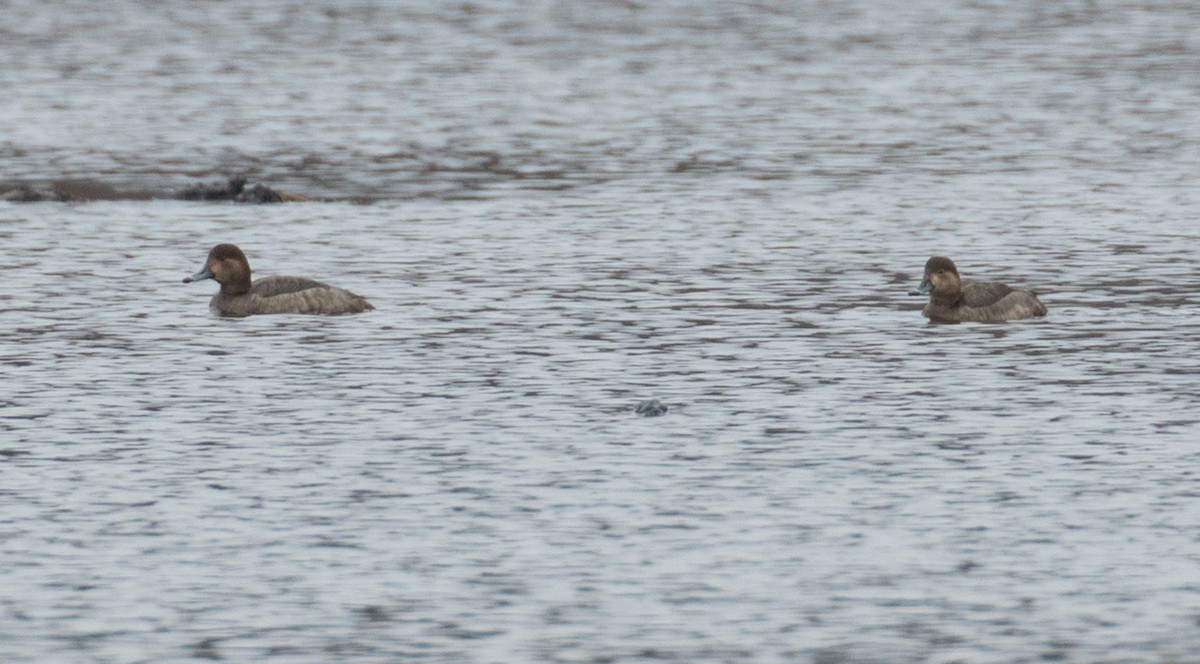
x,y
217,192
235,190
27,194
263,194
67,190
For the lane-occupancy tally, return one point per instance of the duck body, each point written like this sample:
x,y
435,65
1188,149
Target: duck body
x,y
953,300
239,296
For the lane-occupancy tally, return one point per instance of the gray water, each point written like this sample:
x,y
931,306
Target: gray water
x,y
561,209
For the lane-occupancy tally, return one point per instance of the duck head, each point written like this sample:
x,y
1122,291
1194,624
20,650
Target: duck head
x,y
941,279
227,265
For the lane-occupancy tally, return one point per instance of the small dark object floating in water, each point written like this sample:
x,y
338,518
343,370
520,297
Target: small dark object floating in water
x,y
651,408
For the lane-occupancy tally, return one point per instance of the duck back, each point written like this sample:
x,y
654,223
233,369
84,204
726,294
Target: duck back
x,y
291,295
983,294
987,302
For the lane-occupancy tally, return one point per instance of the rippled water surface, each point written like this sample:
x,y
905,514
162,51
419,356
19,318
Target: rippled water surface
x,y
561,209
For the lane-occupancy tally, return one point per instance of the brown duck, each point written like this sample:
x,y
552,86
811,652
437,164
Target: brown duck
x,y
952,300
270,295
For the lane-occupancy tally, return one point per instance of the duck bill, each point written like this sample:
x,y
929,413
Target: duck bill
x,y
206,273
923,289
